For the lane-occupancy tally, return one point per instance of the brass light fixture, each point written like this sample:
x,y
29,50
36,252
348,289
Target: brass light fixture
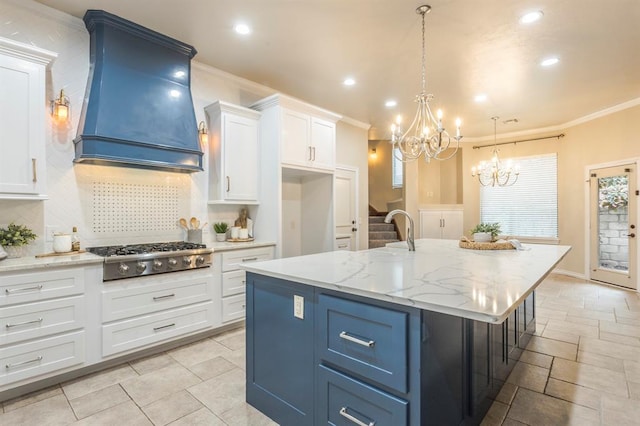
x,y
426,134
494,173
61,108
202,133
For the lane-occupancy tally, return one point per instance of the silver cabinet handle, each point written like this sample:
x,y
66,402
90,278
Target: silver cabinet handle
x,y
352,419
345,336
342,246
166,296
249,259
18,324
314,153
162,327
33,166
18,290
17,364
228,184
310,153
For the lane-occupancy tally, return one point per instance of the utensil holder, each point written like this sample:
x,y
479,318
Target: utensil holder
x,y
194,236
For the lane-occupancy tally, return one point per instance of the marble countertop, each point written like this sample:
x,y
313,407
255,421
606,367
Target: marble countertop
x,y
483,285
31,262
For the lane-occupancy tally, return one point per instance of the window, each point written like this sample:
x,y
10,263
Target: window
x,y
529,208
396,169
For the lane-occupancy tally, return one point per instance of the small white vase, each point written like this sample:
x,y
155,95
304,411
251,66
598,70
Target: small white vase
x,y
221,237
482,237
14,252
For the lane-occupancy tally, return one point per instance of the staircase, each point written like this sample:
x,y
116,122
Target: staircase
x,y
381,233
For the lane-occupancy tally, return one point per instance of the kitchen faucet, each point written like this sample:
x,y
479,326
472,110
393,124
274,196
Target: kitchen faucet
x,y
410,240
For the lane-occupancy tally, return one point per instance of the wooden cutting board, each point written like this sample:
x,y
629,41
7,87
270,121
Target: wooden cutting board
x,y
60,254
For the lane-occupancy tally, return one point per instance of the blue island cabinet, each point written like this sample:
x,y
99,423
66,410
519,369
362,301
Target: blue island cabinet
x,y
320,357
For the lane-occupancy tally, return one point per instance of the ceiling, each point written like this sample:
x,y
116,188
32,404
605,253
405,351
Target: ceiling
x,y
306,48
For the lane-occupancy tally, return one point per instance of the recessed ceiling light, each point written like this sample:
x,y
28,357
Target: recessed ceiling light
x,y
391,103
531,17
480,97
349,81
549,61
243,29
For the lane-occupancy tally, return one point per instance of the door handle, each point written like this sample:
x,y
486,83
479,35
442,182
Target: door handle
x,y
354,229
632,235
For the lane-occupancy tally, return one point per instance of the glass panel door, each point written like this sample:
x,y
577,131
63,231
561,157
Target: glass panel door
x,y
613,228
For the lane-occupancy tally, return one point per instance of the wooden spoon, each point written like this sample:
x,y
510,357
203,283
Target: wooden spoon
x,y
183,223
194,223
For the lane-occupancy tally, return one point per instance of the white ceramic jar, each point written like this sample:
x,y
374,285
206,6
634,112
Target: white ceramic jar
x,y
61,243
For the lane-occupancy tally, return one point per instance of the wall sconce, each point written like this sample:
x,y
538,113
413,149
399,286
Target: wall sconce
x,y
61,108
202,133
373,154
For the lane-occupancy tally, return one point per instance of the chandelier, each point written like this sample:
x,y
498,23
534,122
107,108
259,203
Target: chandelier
x,y
493,172
426,135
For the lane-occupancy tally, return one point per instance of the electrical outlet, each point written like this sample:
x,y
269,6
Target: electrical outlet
x,y
49,231
298,306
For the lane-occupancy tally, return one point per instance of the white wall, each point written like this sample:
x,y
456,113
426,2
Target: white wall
x,y
71,188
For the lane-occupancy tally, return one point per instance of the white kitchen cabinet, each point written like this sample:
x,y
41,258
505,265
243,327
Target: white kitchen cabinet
x,y
233,154
441,222
22,120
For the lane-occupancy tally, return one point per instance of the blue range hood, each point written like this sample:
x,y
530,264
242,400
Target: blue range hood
x,y
138,110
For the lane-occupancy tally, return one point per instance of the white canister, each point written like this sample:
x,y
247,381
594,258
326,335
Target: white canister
x,y
235,232
243,234
61,243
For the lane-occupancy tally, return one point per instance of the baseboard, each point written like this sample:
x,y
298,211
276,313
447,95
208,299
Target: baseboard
x,y
569,273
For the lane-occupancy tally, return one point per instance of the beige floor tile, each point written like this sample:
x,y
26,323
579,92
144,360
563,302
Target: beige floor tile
x,y
245,415
603,361
590,314
597,378
535,358
507,393
171,408
212,368
634,390
545,312
198,352
221,393
628,321
562,305
604,306
511,422
238,358
123,414
233,342
573,393
553,347
100,380
583,320
91,403
496,414
202,417
51,411
617,328
152,363
626,313
529,376
32,397
620,411
612,349
573,328
240,330
561,336
632,370
619,338
539,329
159,383
533,408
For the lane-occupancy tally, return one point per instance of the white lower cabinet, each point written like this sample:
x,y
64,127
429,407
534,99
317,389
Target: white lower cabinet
x,y
233,279
441,222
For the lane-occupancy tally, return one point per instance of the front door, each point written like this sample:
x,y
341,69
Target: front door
x,y
613,228
346,200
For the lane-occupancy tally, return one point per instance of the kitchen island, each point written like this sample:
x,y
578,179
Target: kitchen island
x,y
388,336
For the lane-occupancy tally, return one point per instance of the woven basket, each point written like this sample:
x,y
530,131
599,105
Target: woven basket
x,y
466,244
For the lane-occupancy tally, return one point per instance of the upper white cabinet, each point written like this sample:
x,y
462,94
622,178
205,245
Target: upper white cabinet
x,y
22,120
306,134
233,154
441,222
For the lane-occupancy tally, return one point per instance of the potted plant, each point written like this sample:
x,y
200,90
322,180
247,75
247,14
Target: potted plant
x,y
15,238
220,229
485,232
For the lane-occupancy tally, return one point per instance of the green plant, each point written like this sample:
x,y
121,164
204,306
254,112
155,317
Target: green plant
x,y
220,227
16,235
492,228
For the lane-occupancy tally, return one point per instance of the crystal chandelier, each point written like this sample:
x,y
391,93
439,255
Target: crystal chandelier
x,y
425,135
493,172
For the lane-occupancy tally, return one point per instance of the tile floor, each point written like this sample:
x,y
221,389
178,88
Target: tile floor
x,y
582,368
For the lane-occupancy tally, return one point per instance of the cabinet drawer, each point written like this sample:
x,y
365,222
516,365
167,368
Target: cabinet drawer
x,y
32,359
130,334
231,259
367,340
346,401
138,297
40,319
31,287
233,282
343,244
233,308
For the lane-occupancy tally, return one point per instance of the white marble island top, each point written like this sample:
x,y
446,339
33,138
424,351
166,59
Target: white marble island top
x,y
483,285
